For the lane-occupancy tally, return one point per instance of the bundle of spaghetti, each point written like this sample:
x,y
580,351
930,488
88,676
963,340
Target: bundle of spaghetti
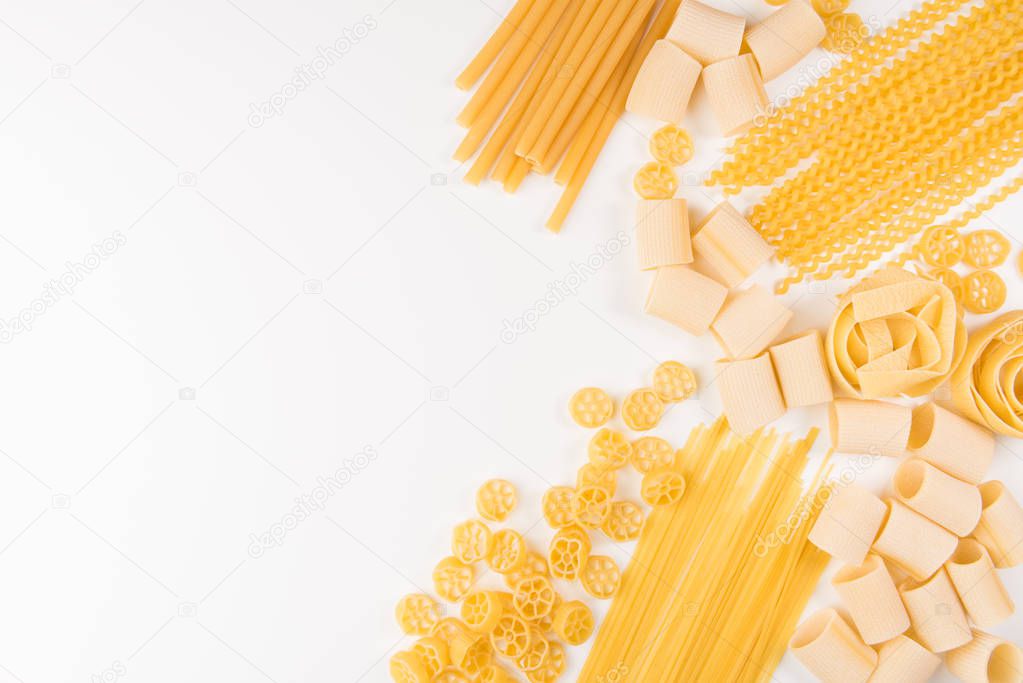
x,y
702,551
767,151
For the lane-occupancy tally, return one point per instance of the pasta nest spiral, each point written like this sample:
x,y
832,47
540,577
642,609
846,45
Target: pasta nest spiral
x,y
895,333
988,385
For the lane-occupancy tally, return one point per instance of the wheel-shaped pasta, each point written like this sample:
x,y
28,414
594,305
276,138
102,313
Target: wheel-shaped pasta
x,y
642,409
495,500
534,598
651,453
448,628
552,667
625,522
672,145
674,381
417,614
941,246
508,552
557,506
609,449
591,407
591,506
539,647
433,652
568,552
452,579
476,657
983,291
407,667
986,248
573,622
601,577
481,610
950,279
510,636
655,180
535,565
453,674
663,487
471,541
845,32
594,475
492,673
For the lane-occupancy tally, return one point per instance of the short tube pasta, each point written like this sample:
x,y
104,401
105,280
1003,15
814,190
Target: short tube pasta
x,y
869,593
913,542
848,524
662,233
802,370
727,247
736,93
781,40
706,33
750,396
903,660
829,648
951,443
935,612
939,497
1001,525
749,321
976,582
869,427
685,298
986,659
664,84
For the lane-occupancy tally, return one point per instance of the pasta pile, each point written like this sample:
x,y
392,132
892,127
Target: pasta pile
x,y
919,575
986,387
875,178
718,580
895,334
942,246
559,74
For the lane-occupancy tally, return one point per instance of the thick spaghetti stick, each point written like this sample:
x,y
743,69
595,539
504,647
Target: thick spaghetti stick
x,y
616,59
504,63
523,63
509,122
607,123
488,53
507,156
587,42
609,38
516,176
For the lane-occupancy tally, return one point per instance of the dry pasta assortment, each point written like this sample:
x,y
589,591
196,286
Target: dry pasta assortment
x,y
734,530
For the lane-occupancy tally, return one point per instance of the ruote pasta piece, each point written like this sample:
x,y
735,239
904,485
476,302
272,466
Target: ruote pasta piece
x,y
848,524
869,427
986,248
452,579
573,622
609,450
655,181
651,453
539,648
662,233
596,475
830,649
480,612
685,298
674,381
869,593
826,8
642,409
802,370
913,542
941,245
941,498
1001,525
749,320
976,582
557,506
417,614
903,660
534,598
749,391
471,652
471,541
983,291
625,521
846,32
671,144
510,636
535,565
591,506
492,673
408,667
495,500
664,83
726,246
781,40
591,407
951,443
568,552
553,666
508,551
433,651
601,577
736,93
986,659
987,386
706,33
663,487
936,614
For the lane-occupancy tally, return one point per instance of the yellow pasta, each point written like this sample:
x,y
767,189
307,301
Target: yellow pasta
x,y
489,52
903,660
869,593
784,38
913,542
727,247
706,33
872,428
802,370
986,659
942,498
664,83
1001,525
982,593
831,650
662,233
935,612
985,386
750,396
951,443
749,321
736,93
849,523
685,298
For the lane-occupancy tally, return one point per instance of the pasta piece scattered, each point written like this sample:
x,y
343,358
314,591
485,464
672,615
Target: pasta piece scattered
x,y
471,541
1001,525
750,320
591,407
785,37
568,552
706,33
448,628
508,552
651,453
492,673
985,248
802,370
552,667
407,667
573,622
417,614
846,32
942,246
642,410
727,247
480,612
848,524
674,381
951,443
952,503
495,500
557,506
596,475
672,145
655,181
601,577
982,593
591,506
903,660
510,636
935,611
534,598
950,279
609,449
986,386
452,579
662,233
983,291
985,658
625,522
534,565
869,594
685,298
750,396
433,652
914,543
663,487
533,658
831,650
472,654
736,93
664,84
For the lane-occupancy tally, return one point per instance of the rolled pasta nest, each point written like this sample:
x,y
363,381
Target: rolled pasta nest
x,y
988,386
895,334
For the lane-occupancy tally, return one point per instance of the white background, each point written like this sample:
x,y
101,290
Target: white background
x,y
288,296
